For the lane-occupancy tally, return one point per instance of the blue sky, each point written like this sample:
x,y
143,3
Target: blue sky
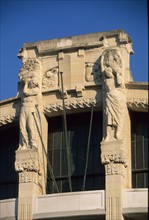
x,y
36,20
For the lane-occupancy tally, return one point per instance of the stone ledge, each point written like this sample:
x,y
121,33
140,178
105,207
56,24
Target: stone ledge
x,y
70,204
83,41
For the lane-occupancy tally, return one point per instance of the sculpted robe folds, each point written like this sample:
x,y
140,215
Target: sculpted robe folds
x,y
115,103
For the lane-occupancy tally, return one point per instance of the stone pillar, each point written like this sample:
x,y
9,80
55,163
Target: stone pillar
x,y
31,164
27,165
115,146
31,161
114,158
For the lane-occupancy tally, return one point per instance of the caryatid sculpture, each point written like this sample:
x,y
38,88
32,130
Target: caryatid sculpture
x,y
114,95
30,114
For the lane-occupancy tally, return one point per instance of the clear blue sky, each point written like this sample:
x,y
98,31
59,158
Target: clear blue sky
x,y
35,20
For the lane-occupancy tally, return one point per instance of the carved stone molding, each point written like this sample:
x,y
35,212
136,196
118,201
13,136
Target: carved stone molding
x,y
115,169
26,177
115,157
72,104
138,104
112,152
134,104
26,166
9,119
27,160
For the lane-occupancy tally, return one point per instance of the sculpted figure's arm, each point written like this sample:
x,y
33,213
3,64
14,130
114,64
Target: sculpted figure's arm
x,y
119,77
31,89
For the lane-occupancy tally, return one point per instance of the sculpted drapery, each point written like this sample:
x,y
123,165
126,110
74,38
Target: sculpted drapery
x,y
114,99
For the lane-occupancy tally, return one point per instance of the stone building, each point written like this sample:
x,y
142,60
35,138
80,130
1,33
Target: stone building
x,y
74,141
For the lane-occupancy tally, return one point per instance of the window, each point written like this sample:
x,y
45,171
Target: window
x,y
9,138
77,135
139,133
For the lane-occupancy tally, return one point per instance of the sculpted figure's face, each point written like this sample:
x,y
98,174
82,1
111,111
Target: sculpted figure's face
x,y
108,72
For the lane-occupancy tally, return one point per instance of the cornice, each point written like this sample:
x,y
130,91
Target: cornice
x,y
80,41
137,85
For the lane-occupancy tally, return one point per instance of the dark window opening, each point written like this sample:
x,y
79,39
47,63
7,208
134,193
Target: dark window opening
x,y
139,146
77,133
9,139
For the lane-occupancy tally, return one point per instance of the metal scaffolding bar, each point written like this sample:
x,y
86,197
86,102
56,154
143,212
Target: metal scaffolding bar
x,y
66,137
87,151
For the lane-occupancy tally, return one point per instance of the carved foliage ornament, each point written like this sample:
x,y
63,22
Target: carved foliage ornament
x,y
114,158
29,165
30,69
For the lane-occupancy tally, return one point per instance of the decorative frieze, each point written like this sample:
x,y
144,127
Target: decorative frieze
x,y
26,177
115,157
27,161
72,104
115,169
137,104
28,165
8,119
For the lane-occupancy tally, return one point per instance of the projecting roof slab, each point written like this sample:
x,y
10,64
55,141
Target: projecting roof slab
x,y
83,41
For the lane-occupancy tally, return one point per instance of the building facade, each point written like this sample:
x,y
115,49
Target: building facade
x,y
75,138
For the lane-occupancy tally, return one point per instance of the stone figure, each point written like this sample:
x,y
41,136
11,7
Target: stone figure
x,y
29,109
114,103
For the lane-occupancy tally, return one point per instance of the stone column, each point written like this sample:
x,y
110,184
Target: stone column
x,y
114,158
115,146
27,165
31,161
